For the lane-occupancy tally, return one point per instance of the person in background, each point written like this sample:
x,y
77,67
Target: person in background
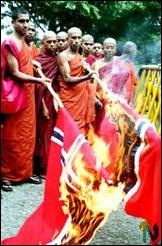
x,y
87,44
29,39
18,131
75,92
62,41
97,50
112,72
45,112
127,58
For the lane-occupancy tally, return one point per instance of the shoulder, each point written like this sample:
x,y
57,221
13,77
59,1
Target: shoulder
x,y
62,55
9,45
8,41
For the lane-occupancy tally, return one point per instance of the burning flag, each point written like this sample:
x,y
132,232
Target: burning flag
x,y
77,199
115,126
143,200
133,159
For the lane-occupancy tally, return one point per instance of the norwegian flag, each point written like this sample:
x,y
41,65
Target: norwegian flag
x,y
143,200
143,192
49,224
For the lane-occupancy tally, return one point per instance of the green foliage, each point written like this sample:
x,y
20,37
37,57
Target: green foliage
x,y
124,20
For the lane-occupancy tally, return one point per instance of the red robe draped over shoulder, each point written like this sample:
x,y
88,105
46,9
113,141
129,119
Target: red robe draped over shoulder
x,y
45,126
78,98
18,132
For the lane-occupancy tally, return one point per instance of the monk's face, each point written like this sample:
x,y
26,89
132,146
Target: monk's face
x,y
97,49
30,35
50,43
74,40
87,46
21,24
109,49
62,42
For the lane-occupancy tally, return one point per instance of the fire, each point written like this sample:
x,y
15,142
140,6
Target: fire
x,y
101,150
88,199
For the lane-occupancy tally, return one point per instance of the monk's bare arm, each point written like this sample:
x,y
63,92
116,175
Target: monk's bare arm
x,y
65,71
13,67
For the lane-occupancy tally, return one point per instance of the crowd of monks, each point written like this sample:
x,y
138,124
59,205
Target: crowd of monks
x,y
61,57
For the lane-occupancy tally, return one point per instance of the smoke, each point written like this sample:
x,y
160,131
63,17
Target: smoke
x,y
149,52
146,34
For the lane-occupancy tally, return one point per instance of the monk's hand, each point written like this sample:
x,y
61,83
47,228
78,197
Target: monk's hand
x,y
36,64
86,66
46,113
55,104
91,75
45,81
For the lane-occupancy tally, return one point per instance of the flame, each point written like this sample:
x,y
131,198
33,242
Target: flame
x,y
89,201
87,196
101,149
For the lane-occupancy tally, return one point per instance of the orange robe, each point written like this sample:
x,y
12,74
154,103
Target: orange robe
x,y
35,51
78,98
18,132
131,81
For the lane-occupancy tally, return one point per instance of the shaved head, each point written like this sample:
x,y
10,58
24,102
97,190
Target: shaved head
x,y
61,35
110,41
87,38
74,30
49,42
130,48
49,34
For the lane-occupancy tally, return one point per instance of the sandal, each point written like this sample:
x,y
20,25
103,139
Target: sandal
x,y
6,185
34,180
42,176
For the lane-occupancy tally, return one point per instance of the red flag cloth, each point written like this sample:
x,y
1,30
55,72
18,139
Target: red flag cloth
x,y
143,200
115,125
135,144
49,224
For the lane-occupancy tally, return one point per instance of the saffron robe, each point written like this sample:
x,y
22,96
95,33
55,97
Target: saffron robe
x,y
78,98
18,132
35,51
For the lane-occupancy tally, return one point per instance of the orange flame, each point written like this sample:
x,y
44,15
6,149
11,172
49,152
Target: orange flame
x,y
87,197
89,201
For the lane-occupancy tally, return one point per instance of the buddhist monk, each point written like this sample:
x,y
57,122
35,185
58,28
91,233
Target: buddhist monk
x,y
75,92
62,41
87,44
46,114
18,131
